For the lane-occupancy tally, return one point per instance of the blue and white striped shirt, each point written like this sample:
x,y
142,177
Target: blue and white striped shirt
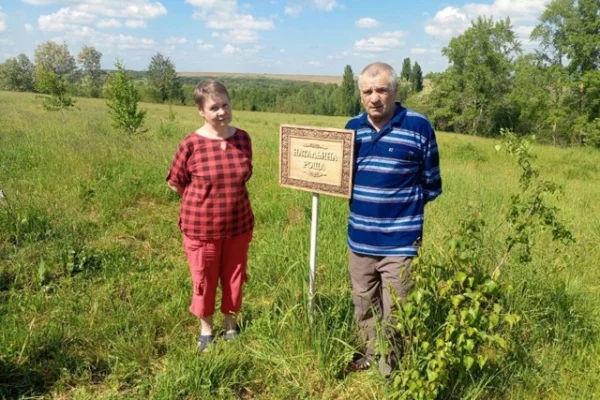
x,y
396,172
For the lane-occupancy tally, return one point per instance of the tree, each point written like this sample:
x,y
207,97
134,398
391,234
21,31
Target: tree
x,y
543,96
416,77
569,30
56,58
123,102
348,100
406,71
17,74
57,87
89,60
480,76
163,80
54,69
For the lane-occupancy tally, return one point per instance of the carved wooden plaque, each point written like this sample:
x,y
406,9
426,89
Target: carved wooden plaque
x,y
316,159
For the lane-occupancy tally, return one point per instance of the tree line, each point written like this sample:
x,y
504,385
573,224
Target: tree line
x,y
489,84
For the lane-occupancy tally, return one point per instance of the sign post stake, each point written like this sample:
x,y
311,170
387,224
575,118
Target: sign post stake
x,y
320,161
313,254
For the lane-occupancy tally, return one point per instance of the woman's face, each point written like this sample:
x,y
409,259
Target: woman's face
x,y
216,111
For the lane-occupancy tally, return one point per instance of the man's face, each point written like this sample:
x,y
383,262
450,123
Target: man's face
x,y
378,97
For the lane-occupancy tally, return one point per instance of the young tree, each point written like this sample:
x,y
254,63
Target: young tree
x,y
89,61
17,74
406,71
54,69
123,102
416,78
163,81
348,100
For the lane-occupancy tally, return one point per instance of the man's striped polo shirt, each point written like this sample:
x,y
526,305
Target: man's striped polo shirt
x,y
396,172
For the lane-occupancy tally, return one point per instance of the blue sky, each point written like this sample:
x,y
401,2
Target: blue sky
x,y
312,37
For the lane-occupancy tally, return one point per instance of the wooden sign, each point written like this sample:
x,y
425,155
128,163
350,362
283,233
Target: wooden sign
x,y
318,160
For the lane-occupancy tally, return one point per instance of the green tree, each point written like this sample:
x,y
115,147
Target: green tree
x,y
56,58
89,61
123,102
479,77
54,74
163,81
56,87
569,30
543,95
416,77
348,100
406,71
17,74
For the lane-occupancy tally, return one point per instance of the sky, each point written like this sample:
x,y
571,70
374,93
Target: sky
x,y
308,37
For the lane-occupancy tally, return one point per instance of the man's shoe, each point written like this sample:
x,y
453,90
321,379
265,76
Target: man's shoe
x,y
205,342
359,363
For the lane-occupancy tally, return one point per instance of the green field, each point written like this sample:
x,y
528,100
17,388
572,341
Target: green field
x,y
94,286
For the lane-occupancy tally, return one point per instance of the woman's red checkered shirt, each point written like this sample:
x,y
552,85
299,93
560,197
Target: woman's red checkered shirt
x,y
215,203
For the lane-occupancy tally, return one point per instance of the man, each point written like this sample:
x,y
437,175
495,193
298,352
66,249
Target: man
x,y
396,173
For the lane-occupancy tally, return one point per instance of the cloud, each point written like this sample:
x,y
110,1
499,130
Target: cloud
x,y
296,6
383,42
203,45
424,50
227,6
367,23
324,5
28,27
294,11
136,23
231,50
176,40
65,18
87,35
233,23
314,63
139,9
3,19
108,23
453,21
239,36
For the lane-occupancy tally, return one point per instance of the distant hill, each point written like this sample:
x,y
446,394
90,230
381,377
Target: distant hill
x,y
304,78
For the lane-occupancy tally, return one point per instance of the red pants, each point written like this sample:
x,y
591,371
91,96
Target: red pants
x,y
211,260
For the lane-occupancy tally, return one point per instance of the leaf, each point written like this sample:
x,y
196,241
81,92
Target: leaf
x,y
457,299
470,345
460,277
481,360
511,319
468,361
498,147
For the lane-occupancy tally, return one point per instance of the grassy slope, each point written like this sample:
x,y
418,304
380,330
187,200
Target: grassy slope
x,y
94,285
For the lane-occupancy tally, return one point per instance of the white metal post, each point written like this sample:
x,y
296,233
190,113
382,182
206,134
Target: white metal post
x,y
313,253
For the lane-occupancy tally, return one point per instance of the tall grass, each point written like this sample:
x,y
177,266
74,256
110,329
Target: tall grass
x,y
94,286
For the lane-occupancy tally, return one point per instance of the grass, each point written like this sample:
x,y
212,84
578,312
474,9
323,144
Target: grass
x,y
94,287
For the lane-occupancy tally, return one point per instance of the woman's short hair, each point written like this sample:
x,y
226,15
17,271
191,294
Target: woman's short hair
x,y
208,88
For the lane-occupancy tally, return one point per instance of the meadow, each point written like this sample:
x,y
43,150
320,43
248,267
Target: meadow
x,y
94,286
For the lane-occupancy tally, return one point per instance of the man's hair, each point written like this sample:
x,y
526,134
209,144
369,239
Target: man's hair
x,y
207,88
376,68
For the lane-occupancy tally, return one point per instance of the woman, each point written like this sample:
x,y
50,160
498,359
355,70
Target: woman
x,y
210,171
